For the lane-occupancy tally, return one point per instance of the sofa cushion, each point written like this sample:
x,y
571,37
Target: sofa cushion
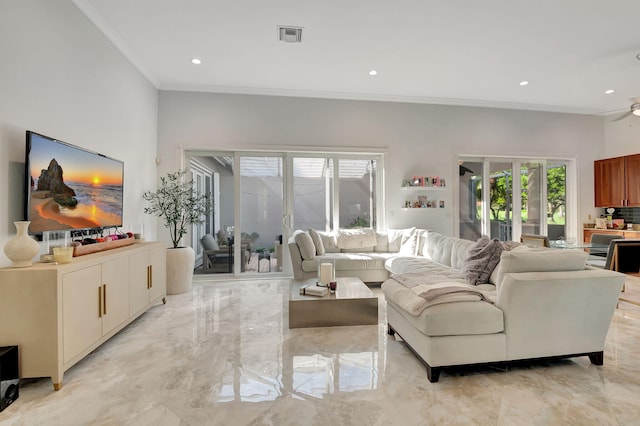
x,y
456,319
397,237
422,238
317,241
460,252
523,259
406,264
329,241
348,261
382,242
359,250
484,255
356,238
305,244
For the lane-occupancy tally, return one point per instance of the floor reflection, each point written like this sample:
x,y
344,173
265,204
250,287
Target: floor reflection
x,y
224,354
263,365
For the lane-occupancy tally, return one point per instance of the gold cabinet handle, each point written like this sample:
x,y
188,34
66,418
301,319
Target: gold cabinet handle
x,y
104,299
100,302
150,276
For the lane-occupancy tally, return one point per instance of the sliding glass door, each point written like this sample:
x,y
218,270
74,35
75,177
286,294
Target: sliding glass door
x,y
258,195
507,198
261,213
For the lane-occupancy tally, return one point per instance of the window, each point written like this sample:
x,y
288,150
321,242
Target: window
x,y
505,198
336,192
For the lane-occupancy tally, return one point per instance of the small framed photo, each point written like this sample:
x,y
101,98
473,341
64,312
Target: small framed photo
x,y
441,204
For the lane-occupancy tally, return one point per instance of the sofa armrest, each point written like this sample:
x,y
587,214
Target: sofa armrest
x,y
557,313
296,259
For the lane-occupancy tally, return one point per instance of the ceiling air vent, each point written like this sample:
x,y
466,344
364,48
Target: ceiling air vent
x,y
290,34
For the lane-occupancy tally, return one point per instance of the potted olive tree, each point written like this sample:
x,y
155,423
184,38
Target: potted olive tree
x,y
179,205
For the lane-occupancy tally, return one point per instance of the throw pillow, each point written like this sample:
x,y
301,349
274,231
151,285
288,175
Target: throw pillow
x,y
482,260
356,238
510,245
317,241
396,237
329,242
305,245
409,246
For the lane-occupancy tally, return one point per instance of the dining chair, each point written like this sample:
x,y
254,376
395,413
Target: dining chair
x,y
534,240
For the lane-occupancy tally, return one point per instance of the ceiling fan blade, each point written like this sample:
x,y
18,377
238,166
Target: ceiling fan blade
x,y
635,100
623,116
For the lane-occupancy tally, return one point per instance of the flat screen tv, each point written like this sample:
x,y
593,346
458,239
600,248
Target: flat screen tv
x,y
70,188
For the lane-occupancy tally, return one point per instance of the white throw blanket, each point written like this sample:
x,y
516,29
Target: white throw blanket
x,y
427,290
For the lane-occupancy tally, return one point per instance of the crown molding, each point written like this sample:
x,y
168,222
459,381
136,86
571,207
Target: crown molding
x,y
355,96
97,20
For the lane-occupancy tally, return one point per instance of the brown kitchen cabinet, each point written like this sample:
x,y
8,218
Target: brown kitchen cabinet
x,y
617,181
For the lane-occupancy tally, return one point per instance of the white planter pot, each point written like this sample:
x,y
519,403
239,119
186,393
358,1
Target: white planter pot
x,y
180,262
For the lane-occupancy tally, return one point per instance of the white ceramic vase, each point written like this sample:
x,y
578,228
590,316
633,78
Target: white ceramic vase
x,y
180,262
22,249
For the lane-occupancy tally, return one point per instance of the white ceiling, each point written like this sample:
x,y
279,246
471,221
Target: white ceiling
x,y
455,52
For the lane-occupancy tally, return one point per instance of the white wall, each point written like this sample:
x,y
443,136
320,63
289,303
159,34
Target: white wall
x,y
622,137
418,139
61,77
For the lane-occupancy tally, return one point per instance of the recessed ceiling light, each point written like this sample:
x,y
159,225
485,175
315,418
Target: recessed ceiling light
x,y
196,61
373,72
524,83
609,91
638,56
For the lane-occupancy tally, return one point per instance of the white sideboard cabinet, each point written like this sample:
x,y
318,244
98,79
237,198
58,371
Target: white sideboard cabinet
x,y
58,313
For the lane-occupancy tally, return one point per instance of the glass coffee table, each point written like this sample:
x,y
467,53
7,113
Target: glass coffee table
x,y
353,303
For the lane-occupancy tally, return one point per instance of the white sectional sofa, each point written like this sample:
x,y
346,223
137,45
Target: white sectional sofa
x,y
536,303
355,253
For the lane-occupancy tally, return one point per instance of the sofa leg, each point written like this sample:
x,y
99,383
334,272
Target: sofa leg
x,y
390,330
597,358
433,373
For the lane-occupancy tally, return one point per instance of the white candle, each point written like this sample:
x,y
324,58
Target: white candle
x,y
326,272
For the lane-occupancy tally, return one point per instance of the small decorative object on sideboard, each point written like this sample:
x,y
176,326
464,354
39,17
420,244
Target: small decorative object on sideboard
x,y
63,254
22,248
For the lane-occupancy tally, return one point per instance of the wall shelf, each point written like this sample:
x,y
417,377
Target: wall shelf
x,y
422,201
424,188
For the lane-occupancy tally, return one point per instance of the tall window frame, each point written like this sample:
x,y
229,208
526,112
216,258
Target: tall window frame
x,y
342,174
376,183
484,175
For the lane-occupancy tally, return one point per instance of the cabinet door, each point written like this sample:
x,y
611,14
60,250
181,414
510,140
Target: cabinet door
x,y
81,297
138,281
115,279
632,170
609,182
158,277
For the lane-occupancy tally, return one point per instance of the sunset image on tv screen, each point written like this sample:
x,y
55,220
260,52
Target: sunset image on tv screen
x,y
71,188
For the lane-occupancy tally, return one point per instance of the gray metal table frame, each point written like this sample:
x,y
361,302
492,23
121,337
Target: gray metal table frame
x,y
352,304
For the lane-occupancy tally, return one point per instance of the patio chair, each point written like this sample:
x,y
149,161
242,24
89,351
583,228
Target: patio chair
x,y
215,259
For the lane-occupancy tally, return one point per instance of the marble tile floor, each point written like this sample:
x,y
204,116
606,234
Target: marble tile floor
x,y
223,355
